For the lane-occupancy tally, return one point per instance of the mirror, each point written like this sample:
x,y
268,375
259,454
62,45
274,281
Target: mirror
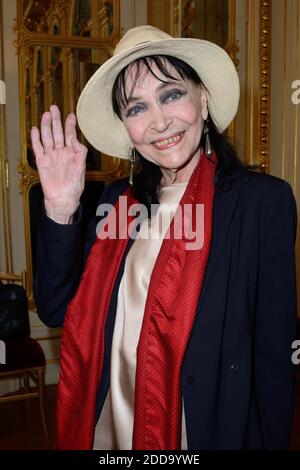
x,y
73,18
56,75
60,45
206,20
213,20
203,19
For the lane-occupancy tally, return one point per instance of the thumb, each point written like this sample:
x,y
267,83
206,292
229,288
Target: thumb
x,y
77,146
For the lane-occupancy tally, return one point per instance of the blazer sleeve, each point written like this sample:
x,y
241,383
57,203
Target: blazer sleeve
x,y
61,254
275,327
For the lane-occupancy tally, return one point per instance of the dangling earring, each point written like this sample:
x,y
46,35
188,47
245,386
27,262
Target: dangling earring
x,y
208,147
132,162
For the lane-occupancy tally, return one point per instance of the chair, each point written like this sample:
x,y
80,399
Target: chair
x,y
25,360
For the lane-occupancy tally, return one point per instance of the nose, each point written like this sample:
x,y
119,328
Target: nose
x,y
160,121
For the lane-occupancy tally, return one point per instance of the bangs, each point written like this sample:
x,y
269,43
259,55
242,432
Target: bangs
x,y
120,97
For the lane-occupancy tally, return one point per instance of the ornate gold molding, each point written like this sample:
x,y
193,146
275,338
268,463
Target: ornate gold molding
x,y
264,83
233,49
27,177
176,24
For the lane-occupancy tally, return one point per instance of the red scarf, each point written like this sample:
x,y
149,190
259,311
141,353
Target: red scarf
x,y
170,309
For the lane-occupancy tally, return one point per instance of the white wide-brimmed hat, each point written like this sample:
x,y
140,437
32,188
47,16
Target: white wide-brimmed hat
x,y
96,118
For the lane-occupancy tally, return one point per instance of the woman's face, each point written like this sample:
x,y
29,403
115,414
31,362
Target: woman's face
x,y
165,120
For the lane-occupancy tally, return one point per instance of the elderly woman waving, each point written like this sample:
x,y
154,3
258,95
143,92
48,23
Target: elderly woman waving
x,y
179,306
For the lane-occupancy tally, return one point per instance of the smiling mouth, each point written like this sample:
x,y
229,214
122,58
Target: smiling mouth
x,y
168,141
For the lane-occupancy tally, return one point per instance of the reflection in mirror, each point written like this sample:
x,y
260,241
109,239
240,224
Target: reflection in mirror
x,y
56,75
202,19
86,18
89,200
60,43
206,19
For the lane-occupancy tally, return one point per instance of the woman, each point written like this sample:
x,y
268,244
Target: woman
x,y
170,341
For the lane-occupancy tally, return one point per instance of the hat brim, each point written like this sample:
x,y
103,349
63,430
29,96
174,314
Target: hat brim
x,y
106,132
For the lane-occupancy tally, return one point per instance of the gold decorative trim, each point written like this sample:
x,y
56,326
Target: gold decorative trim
x,y
233,49
264,83
52,361
176,23
28,177
46,338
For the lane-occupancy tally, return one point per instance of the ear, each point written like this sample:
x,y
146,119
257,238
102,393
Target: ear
x,y
203,103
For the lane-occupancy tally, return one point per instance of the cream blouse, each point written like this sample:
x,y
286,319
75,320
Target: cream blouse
x,y
115,425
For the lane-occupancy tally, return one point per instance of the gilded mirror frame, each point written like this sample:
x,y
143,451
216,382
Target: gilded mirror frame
x,y
31,34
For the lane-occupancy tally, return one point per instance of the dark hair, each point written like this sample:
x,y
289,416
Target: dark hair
x,y
148,176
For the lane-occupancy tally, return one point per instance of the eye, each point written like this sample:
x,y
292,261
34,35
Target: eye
x,y
173,95
134,111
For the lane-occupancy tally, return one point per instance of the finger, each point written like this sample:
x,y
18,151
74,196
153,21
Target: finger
x,y
57,129
70,130
79,148
46,131
37,147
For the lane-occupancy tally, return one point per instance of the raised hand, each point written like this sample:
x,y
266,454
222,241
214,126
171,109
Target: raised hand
x,y
60,160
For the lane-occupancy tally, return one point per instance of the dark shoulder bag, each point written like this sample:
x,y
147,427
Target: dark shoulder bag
x,y
14,317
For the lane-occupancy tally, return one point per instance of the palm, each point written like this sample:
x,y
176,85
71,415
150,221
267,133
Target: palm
x,y
60,161
61,174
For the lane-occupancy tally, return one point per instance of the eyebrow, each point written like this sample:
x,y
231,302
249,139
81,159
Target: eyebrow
x,y
163,85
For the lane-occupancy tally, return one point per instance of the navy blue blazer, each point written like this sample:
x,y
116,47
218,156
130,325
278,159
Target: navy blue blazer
x,y
237,377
